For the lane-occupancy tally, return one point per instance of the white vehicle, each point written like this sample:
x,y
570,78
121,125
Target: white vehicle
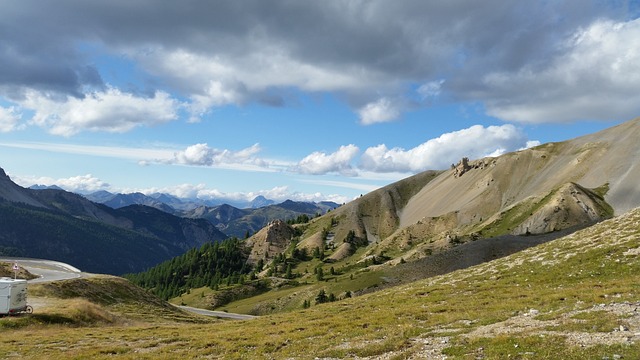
x,y
13,296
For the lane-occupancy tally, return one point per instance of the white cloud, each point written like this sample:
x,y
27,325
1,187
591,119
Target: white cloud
x,y
203,155
129,153
183,191
9,119
530,144
382,110
86,184
319,163
355,49
80,184
110,111
474,142
597,76
221,79
430,89
277,194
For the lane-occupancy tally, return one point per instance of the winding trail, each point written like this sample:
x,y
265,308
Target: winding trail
x,y
220,314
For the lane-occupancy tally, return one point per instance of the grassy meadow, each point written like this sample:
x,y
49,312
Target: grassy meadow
x,y
572,298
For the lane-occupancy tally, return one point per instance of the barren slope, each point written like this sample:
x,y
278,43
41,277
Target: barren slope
x,y
610,156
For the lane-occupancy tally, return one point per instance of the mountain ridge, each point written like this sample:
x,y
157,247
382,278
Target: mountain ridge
x,y
531,192
60,225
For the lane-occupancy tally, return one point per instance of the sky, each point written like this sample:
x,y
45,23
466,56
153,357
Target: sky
x,y
300,100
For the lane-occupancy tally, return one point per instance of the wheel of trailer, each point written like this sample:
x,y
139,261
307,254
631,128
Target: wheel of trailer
x,y
29,309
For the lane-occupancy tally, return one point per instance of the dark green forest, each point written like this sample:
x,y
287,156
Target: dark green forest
x,y
213,264
88,245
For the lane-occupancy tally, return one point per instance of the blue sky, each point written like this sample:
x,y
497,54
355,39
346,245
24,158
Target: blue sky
x,y
299,100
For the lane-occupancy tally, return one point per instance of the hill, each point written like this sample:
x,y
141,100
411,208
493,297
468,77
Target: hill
x,y
532,254
572,298
439,221
544,189
59,225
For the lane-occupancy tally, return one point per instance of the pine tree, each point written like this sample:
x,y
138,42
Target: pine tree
x,y
288,274
322,297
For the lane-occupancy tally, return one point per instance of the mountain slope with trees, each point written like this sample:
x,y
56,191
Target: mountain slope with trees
x,y
520,199
59,225
211,265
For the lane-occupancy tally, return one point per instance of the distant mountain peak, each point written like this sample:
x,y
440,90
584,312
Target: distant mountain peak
x,y
45,187
261,201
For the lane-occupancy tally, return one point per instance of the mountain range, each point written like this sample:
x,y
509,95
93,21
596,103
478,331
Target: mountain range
x,y
232,220
397,273
59,225
545,189
438,221
167,202
119,233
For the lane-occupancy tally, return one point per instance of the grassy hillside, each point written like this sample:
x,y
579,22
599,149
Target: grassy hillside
x,y
95,302
572,298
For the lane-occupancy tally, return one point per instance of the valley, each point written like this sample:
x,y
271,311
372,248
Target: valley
x,y
532,254
570,298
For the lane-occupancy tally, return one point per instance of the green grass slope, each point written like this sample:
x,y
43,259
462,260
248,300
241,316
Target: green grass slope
x,y
576,297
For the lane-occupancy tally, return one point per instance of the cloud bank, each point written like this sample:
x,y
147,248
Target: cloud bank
x,y
474,142
86,184
527,62
435,154
109,111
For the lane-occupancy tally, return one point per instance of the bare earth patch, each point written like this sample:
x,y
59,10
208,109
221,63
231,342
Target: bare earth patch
x,y
528,323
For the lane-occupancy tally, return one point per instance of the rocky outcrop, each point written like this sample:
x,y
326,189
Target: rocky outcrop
x,y
464,165
272,240
572,205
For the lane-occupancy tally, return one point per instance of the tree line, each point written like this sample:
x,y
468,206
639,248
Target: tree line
x,y
212,265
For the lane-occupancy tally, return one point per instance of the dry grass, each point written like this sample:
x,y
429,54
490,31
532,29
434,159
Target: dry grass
x,y
6,270
579,287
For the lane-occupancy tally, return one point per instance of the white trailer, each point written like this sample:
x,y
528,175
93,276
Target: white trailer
x,y
13,296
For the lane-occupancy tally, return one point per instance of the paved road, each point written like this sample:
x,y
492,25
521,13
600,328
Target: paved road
x,y
220,314
46,270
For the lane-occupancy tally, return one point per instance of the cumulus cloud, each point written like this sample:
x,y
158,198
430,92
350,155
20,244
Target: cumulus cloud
x,y
430,89
596,77
203,155
110,111
530,62
474,142
382,110
319,163
9,119
218,54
